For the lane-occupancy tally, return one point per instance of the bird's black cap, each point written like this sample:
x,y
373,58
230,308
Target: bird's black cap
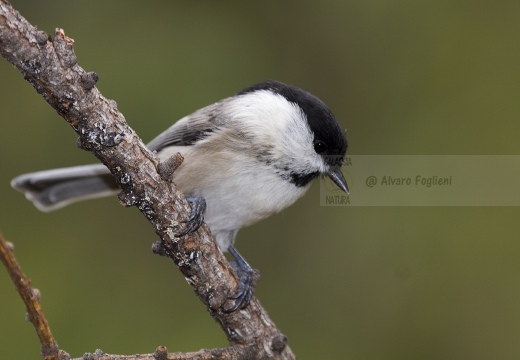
x,y
329,139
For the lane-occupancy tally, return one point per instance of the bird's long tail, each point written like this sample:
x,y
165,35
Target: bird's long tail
x,y
53,189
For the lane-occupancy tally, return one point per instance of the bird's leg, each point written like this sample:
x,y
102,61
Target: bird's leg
x,y
198,206
246,276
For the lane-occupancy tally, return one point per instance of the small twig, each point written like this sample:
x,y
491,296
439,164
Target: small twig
x,y
31,299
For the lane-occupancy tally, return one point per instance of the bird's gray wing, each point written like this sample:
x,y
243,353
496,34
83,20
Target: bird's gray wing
x,y
190,129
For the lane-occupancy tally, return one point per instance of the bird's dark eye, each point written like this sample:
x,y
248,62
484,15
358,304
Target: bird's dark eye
x,y
320,147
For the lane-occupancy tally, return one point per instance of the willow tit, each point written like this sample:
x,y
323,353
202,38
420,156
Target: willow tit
x,y
249,156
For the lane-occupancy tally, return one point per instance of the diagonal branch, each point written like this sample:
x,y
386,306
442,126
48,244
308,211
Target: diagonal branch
x,y
50,65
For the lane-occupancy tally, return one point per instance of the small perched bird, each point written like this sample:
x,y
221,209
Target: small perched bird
x,y
247,156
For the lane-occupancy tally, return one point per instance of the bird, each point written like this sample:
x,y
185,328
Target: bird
x,y
246,157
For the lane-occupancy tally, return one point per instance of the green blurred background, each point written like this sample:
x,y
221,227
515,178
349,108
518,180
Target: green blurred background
x,y
404,77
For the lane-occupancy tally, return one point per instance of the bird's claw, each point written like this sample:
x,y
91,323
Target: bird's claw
x,y
243,294
198,206
246,279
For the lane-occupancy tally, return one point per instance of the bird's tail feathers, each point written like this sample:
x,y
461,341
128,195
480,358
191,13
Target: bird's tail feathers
x,y
53,189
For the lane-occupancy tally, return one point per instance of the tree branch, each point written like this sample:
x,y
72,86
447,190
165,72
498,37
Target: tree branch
x,y
50,65
31,299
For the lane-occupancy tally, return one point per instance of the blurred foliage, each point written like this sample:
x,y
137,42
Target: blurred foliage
x,y
405,77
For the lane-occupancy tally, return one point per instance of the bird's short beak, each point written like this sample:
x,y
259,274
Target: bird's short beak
x,y
338,179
